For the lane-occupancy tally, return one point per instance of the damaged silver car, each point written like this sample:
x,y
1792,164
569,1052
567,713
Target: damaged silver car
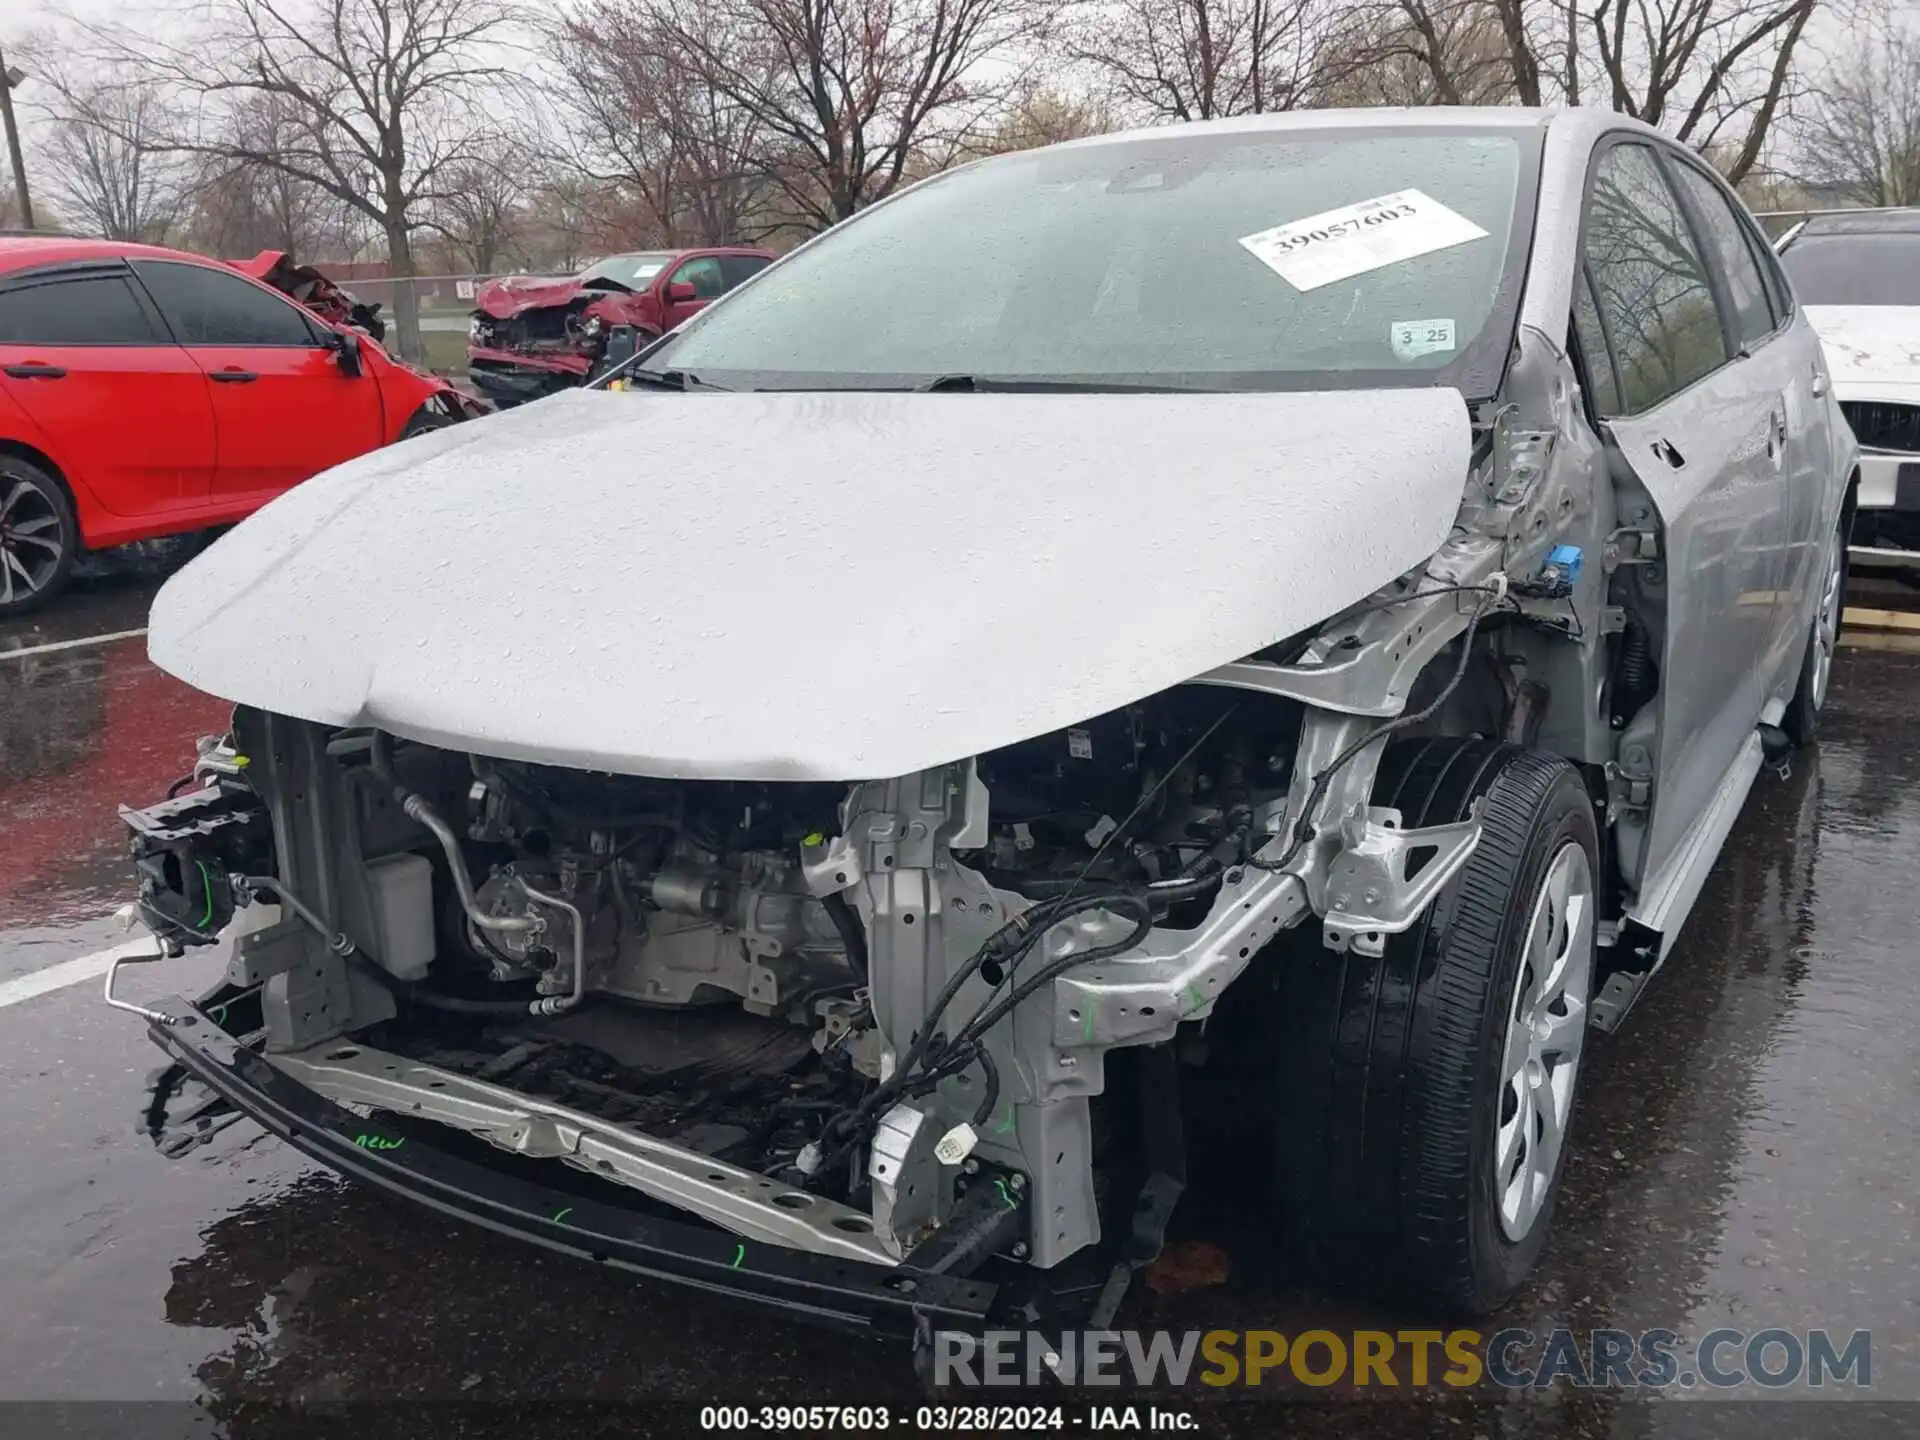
x,y
1264,622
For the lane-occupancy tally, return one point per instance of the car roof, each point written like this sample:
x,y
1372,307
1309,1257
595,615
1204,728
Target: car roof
x,y
1864,222
18,251
1565,120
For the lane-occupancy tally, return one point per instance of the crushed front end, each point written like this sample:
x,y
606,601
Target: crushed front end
x,y
814,1043
535,350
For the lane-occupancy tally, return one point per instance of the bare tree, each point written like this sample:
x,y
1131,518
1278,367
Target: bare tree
x,y
479,213
1040,115
852,95
382,101
1420,52
1197,59
241,207
103,149
640,114
1713,73
1861,133
1716,74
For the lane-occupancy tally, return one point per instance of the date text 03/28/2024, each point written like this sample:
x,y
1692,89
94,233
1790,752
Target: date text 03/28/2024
x,y
962,1418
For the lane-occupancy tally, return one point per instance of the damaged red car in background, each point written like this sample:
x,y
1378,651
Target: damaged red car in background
x,y
533,335
332,303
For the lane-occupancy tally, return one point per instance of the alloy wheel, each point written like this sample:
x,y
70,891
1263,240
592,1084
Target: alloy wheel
x,y
32,539
1826,624
1546,1032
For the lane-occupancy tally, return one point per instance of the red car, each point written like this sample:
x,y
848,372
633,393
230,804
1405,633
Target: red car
x,y
532,335
146,392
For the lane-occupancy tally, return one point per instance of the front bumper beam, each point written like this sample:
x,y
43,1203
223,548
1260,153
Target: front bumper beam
x,y
903,1300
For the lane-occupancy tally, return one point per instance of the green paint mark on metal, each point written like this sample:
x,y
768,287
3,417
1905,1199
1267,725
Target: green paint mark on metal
x,y
1007,1123
1086,1025
1005,1195
1196,995
378,1142
739,1254
206,885
219,1013
561,1218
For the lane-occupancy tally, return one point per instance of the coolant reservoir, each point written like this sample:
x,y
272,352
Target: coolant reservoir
x,y
401,888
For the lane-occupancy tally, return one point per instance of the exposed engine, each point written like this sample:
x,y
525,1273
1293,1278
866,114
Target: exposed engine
x,y
689,893
694,893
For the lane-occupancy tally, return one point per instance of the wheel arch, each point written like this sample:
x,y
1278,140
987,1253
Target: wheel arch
x,y
34,455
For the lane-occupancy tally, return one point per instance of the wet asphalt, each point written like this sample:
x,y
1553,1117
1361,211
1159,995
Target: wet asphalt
x,y
1745,1155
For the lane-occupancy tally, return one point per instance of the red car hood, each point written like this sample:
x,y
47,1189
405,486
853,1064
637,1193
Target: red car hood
x,y
261,265
509,296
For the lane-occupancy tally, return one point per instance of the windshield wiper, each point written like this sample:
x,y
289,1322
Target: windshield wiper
x,y
665,379
1093,387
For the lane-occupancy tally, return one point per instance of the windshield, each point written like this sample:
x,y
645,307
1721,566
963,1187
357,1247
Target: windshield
x,y
1864,268
1179,261
632,271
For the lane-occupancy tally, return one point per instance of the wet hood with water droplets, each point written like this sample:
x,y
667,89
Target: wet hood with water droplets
x,y
808,586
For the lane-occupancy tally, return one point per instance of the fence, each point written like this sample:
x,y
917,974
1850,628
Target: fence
x,y
445,302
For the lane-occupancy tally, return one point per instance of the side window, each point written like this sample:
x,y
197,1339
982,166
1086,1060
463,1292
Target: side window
x,y
86,310
206,307
1595,356
739,268
704,275
1726,240
1649,280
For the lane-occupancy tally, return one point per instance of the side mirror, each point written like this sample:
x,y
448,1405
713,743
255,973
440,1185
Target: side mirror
x,y
346,350
680,292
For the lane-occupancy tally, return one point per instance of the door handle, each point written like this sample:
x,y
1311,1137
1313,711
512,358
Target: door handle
x,y
37,371
1776,436
232,377
1665,450
1819,383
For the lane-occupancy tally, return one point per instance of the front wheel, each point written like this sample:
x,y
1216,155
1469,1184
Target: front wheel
x,y
1428,1093
39,536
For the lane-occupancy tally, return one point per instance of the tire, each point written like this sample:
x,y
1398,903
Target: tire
x,y
1396,1099
423,420
1802,719
39,536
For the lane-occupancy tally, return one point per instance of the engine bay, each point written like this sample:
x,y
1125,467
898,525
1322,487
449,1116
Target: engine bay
x,y
816,982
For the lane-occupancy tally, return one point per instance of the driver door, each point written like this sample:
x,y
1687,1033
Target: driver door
x,y
709,283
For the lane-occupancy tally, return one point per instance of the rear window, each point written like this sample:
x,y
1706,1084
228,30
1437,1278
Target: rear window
x,y
90,310
1203,260
1866,268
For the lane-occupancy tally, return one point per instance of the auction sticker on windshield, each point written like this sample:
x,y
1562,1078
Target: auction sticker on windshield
x,y
1338,244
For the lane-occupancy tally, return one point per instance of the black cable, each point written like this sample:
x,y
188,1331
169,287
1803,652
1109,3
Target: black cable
x,y
989,1089
852,934
1371,605
1303,827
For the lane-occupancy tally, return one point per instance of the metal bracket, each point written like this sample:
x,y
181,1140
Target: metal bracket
x,y
1630,546
1373,889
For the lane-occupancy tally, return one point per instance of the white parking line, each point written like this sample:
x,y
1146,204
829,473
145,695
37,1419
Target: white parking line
x,y
69,972
54,645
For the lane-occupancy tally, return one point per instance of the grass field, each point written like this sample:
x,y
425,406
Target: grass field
x,y
445,350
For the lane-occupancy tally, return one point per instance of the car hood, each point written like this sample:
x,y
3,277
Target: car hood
x,y
808,586
1872,350
509,296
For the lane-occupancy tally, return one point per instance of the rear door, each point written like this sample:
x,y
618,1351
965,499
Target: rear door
x,y
1699,427
121,407
1779,365
284,410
